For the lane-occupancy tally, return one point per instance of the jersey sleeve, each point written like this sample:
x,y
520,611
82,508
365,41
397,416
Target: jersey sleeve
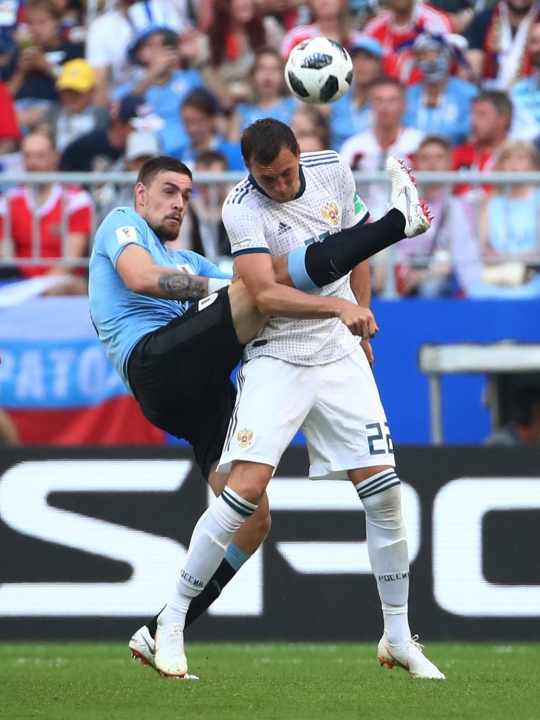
x,y
120,231
244,228
201,266
354,210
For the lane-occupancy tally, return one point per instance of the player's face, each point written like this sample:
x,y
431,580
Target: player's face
x,y
164,203
281,179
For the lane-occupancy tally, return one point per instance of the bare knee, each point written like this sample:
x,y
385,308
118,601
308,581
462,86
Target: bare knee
x,y
249,480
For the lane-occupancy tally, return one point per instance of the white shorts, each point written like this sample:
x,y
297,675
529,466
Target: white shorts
x,y
337,406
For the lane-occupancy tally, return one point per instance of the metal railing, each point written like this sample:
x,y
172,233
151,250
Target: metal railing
x,y
110,185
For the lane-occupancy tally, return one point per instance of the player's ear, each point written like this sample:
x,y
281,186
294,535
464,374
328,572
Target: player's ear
x,y
140,193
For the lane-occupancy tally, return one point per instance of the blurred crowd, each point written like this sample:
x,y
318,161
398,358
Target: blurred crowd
x,y
95,86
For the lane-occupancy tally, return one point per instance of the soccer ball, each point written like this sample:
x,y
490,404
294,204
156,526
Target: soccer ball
x,y
319,71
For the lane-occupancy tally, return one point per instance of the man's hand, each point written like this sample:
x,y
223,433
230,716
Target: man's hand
x,y
359,320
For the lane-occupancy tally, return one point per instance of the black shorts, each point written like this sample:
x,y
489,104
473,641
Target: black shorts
x,y
180,376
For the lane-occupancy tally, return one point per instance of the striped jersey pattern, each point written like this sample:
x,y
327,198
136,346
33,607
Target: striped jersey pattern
x,y
382,481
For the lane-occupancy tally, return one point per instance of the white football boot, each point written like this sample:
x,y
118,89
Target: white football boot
x,y
409,656
143,646
404,197
169,658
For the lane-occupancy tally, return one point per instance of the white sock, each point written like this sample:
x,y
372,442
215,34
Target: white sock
x,y
388,551
209,542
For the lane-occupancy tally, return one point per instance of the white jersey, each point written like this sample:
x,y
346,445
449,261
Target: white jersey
x,y
326,203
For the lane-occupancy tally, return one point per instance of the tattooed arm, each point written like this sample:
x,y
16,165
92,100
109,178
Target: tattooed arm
x,y
143,276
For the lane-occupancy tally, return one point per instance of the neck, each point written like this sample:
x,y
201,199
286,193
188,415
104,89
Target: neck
x,y
489,145
42,194
519,191
515,18
386,136
403,17
329,27
434,91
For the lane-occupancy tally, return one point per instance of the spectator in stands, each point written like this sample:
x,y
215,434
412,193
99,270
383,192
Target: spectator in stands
x,y
397,27
72,23
444,260
510,229
77,114
523,427
34,65
202,229
330,19
525,94
50,210
140,146
440,103
491,117
103,149
310,127
12,20
237,31
9,128
497,37
201,115
369,150
269,96
163,85
351,114
110,35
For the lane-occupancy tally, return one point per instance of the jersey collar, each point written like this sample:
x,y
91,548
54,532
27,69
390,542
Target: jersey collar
x,y
298,194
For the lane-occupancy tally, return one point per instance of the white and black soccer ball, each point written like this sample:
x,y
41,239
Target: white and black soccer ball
x,y
319,71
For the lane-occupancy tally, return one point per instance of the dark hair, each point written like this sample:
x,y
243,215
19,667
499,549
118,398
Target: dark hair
x,y
500,101
435,140
208,157
220,30
203,101
386,80
522,405
157,165
46,6
264,139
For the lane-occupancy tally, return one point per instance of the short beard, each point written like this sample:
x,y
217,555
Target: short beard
x,y
522,11
164,235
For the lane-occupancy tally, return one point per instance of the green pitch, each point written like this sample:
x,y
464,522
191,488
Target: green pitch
x,y
85,681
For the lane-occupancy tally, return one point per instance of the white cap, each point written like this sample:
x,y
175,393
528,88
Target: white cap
x,y
141,144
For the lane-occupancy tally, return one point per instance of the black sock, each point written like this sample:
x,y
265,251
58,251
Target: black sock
x,y
338,254
223,575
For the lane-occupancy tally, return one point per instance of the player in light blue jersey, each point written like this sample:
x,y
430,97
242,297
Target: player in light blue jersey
x,y
176,360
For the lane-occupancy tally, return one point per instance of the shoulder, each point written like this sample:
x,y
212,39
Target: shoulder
x,y
241,194
479,25
315,159
77,198
430,13
463,86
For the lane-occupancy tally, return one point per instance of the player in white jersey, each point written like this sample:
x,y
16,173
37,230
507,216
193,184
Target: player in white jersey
x,y
301,373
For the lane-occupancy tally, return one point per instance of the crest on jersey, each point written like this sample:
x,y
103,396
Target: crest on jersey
x,y
330,212
244,438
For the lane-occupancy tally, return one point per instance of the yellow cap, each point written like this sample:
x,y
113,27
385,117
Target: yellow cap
x,y
76,75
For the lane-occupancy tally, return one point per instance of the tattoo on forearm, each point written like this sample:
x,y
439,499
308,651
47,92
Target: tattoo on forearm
x,y
182,286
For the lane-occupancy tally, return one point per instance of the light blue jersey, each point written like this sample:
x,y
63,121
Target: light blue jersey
x,y
121,316
452,115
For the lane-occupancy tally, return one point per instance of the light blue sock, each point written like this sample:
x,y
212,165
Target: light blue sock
x,y
236,557
296,264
